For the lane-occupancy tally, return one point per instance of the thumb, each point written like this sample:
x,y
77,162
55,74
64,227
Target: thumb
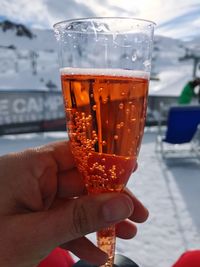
x,y
76,218
36,234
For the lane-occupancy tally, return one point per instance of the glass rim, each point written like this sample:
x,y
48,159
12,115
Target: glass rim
x,y
59,23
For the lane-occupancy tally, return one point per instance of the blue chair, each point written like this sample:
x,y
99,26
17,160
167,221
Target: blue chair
x,y
182,127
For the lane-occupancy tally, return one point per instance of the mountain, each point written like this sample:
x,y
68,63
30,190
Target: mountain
x,y
20,29
28,60
24,38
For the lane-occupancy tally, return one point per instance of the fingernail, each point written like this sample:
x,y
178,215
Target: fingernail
x,y
118,208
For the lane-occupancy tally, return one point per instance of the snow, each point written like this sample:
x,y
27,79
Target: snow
x,y
28,63
172,81
169,189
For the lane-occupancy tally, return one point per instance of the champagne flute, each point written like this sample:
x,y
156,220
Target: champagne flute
x,y
105,68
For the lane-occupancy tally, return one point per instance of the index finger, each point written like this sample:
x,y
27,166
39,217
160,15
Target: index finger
x,y
61,153
140,212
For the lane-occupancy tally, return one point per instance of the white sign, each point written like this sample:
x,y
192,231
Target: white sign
x,y
30,106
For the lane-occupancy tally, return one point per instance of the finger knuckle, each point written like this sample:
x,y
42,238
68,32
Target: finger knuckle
x,y
81,222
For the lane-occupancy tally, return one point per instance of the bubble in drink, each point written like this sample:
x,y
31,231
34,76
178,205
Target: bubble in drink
x,y
121,106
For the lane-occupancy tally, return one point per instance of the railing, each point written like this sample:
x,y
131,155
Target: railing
x,y
158,107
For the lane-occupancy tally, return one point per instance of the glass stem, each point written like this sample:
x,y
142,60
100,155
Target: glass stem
x,y
106,240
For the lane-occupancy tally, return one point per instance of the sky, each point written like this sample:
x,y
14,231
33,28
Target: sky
x,y
173,18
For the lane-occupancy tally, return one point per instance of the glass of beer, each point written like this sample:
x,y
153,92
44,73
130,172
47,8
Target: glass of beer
x,y
105,69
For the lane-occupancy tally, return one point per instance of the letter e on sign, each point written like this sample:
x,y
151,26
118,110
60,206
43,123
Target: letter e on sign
x,y
4,107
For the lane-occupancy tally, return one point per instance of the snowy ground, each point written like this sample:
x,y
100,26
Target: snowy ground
x,y
169,189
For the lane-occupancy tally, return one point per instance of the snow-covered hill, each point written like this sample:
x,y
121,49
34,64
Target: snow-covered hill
x,y
28,60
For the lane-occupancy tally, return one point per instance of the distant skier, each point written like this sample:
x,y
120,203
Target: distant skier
x,y
189,92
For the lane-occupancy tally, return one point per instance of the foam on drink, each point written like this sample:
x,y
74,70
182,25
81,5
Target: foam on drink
x,y
104,72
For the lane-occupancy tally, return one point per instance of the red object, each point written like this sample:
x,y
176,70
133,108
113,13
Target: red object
x,y
57,258
189,259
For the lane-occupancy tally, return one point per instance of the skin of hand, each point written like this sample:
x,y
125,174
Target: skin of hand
x,y
43,204
196,82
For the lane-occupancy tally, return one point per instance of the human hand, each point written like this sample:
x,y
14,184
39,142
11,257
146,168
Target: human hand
x,y
197,81
43,205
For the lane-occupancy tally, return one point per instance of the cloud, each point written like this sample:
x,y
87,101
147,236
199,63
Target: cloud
x,y
111,8
67,9
184,25
43,13
23,11
169,15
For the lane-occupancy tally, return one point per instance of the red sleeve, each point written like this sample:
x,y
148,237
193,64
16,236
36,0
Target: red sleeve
x,y
57,258
189,259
